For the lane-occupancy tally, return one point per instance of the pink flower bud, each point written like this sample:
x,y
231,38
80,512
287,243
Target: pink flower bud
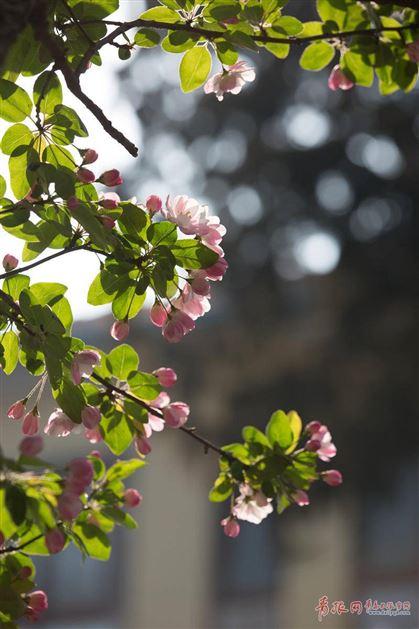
x,y
85,175
59,424
132,498
166,376
200,284
31,446
90,416
93,435
338,80
107,221
301,498
30,424
83,364
158,315
10,262
96,454
153,204
69,505
176,414
38,600
16,410
312,445
81,470
72,203
313,427
110,201
142,445
111,178
25,572
120,330
55,541
217,271
89,156
332,477
231,527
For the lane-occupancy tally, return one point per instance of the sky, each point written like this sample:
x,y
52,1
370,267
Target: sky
x,y
77,270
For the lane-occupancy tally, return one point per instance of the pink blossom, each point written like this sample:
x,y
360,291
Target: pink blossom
x,y
217,271
107,221
161,401
251,505
154,424
231,80
212,232
178,324
55,541
413,51
69,505
16,410
111,178
313,427
199,283
120,330
176,414
301,498
332,477
166,376
327,449
231,527
85,175
59,424
313,445
38,600
110,201
338,80
158,315
186,213
10,262
72,203
142,445
153,204
90,416
31,446
93,435
192,304
83,364
89,156
30,424
132,498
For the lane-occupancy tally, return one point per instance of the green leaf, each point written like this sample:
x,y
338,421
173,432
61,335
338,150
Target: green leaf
x,y
191,254
120,517
160,14
47,92
2,186
317,56
10,344
146,38
123,469
163,233
15,285
355,68
222,489
117,431
194,68
279,430
128,302
15,104
18,168
95,541
179,41
280,51
17,135
144,386
70,399
121,361
16,503
104,288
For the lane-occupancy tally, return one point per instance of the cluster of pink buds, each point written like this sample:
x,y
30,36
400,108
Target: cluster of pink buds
x,y
30,424
37,602
172,414
109,178
178,317
79,478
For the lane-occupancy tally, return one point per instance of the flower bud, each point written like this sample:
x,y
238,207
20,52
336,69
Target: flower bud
x,y
81,470
313,427
89,156
111,178
153,204
231,527
54,541
69,505
25,572
107,221
301,498
132,498
312,445
158,315
16,410
93,435
72,203
85,175
110,201
120,330
332,478
38,600
90,416
166,376
142,445
30,424
10,262
176,414
31,446
339,80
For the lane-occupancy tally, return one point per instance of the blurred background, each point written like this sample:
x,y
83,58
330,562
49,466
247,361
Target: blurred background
x,y
318,312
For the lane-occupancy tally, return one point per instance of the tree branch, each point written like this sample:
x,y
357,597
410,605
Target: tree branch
x,y
40,24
